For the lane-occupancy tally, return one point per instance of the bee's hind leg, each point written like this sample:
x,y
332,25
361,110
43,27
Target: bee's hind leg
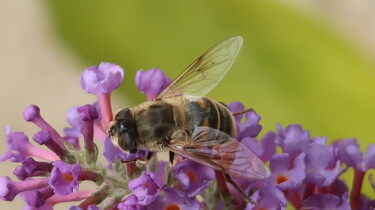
x,y
243,112
234,184
171,158
149,156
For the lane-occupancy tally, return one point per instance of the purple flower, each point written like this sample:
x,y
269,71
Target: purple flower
x,y
102,79
349,153
37,198
43,137
269,197
369,159
145,187
9,189
293,139
264,149
193,177
30,167
151,82
18,145
111,152
321,167
250,127
283,175
75,121
64,177
131,203
326,201
174,199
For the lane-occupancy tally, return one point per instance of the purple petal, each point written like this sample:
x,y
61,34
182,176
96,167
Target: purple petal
x,y
293,139
326,201
193,177
174,199
64,177
75,121
111,152
17,143
264,149
145,187
349,153
269,197
102,79
131,203
151,82
320,166
369,159
282,175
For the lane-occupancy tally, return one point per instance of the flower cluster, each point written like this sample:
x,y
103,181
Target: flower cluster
x,y
306,173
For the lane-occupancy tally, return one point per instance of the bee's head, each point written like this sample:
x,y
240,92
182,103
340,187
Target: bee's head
x,y
123,131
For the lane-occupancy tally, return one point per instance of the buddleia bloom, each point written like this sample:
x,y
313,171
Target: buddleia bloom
x,y
305,172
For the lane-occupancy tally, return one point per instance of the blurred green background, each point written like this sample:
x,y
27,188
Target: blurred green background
x,y
293,68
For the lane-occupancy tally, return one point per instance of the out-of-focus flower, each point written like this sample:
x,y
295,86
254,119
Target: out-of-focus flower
x,y
265,148
151,82
326,201
320,166
292,139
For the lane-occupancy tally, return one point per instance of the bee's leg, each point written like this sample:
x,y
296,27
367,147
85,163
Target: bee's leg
x,y
170,167
149,156
243,111
129,161
171,157
234,184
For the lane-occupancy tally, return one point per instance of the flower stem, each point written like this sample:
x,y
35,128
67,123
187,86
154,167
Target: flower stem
x,y
41,153
105,109
355,193
74,196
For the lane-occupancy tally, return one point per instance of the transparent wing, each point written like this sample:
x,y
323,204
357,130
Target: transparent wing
x,y
205,73
218,150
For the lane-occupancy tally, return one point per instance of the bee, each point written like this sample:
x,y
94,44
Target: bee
x,y
185,122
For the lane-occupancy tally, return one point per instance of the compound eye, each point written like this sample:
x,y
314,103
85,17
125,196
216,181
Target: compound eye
x,y
123,128
112,131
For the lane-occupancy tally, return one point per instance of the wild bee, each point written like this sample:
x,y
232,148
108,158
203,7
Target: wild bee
x,y
181,120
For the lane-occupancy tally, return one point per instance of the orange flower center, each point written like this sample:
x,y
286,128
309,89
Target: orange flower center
x,y
191,176
281,179
172,207
68,177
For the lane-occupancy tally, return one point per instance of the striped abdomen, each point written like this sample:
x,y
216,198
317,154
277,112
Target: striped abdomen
x,y
206,112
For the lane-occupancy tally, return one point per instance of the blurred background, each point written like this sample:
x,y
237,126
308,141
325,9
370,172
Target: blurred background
x,y
307,62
